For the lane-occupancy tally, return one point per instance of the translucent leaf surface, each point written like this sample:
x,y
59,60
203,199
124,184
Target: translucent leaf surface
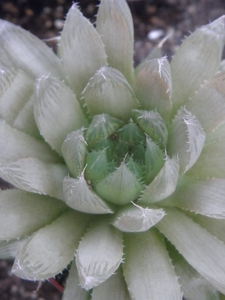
x,y
74,149
197,60
23,213
79,196
111,289
96,166
164,183
154,160
48,251
211,161
152,123
154,86
21,50
119,187
202,250
99,254
147,269
15,144
57,111
193,285
81,49
33,175
109,92
101,127
208,104
186,139
8,250
115,26
200,196
73,289
134,218
214,226
16,90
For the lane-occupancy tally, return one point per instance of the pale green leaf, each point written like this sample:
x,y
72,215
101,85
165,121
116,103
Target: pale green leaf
x,y
208,104
15,144
16,102
154,160
201,249
36,176
99,254
79,196
214,226
134,218
57,111
204,197
73,289
211,161
113,288
20,49
115,26
193,285
96,166
164,183
81,49
9,249
74,149
186,139
109,92
101,127
147,269
22,213
119,187
49,250
154,86
197,60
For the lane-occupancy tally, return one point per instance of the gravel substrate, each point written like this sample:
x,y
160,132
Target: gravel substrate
x,y
153,20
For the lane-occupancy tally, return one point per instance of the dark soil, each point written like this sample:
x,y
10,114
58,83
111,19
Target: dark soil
x,y
45,19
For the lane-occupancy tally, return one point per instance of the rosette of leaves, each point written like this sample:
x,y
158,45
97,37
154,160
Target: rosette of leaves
x,y
119,174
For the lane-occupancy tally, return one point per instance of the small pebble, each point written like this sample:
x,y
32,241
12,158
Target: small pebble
x,y
155,34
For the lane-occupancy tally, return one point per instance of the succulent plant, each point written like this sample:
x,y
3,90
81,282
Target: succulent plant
x,y
119,173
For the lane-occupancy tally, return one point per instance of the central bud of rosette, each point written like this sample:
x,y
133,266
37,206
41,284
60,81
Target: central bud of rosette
x,y
112,162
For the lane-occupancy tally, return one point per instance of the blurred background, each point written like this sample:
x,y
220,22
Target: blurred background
x,y
153,20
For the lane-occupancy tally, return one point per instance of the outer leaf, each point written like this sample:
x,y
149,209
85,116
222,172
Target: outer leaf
x,y
134,218
120,187
80,197
73,289
208,104
214,226
211,162
74,149
186,139
57,111
164,183
154,86
111,289
23,213
197,60
16,90
99,254
21,50
202,250
147,269
81,49
205,197
109,92
48,251
115,25
192,283
15,144
33,175
8,250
